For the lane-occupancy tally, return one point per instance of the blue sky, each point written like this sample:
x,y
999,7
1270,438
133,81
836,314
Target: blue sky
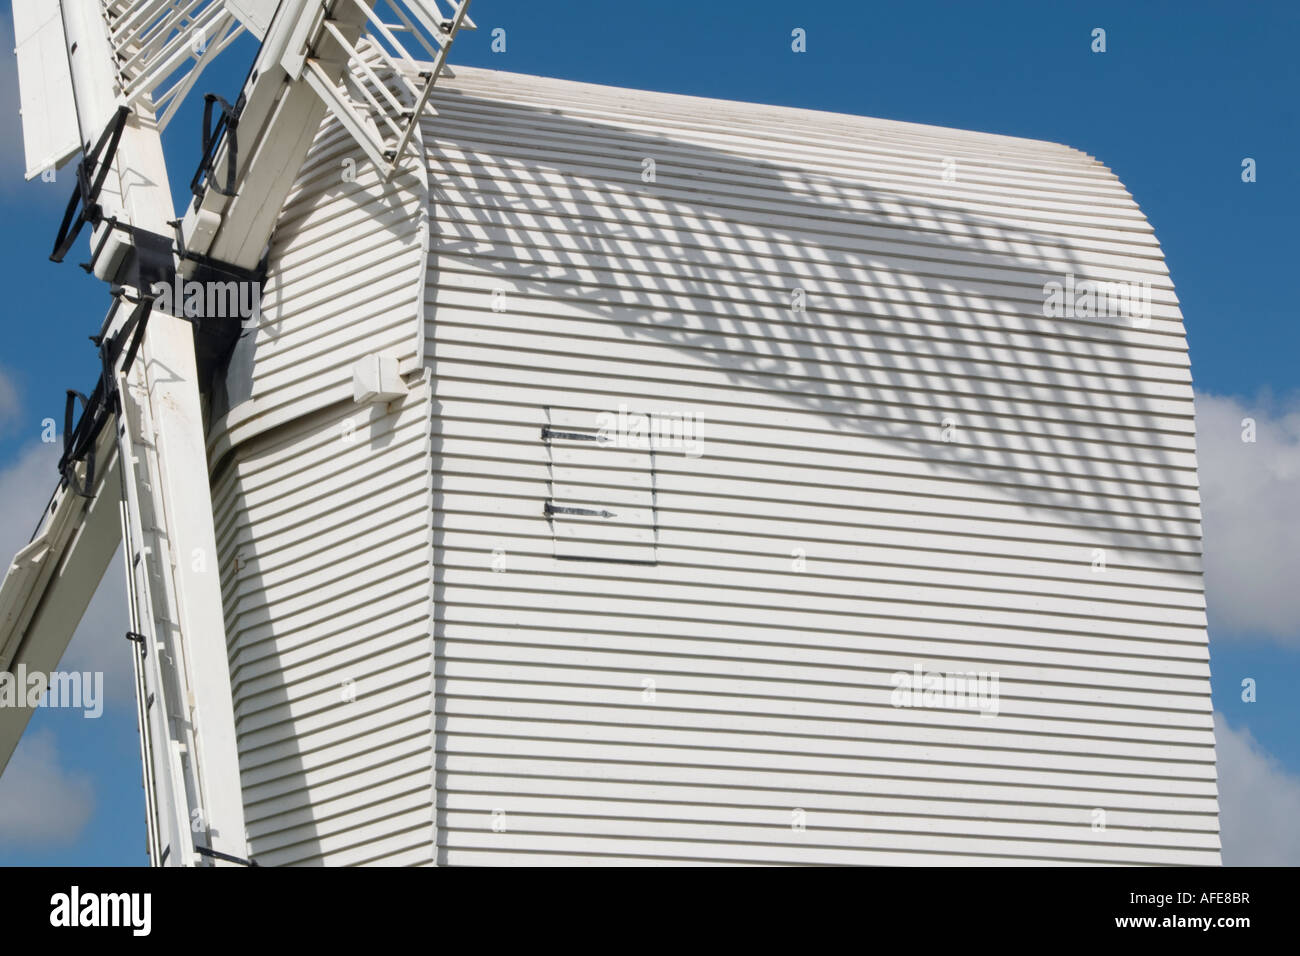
x,y
1184,92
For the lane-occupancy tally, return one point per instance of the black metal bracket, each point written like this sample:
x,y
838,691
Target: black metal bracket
x,y
109,350
70,440
137,638
99,246
554,509
218,855
149,259
92,170
79,438
227,124
549,433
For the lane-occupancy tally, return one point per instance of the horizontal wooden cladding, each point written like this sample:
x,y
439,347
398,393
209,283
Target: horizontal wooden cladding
x,y
752,123
741,290
798,385
826,535
345,269
303,676
848,409
400,713
327,487
863,816
880,610
314,354
883,552
330,464
320,690
720,496
308,578
518,192
715,792
942,637
323,532
799,255
505,400
326,818
405,762
371,836
866,360
391,530
837,335
1068,522
378,608
808,163
825,447
856,797
288,730
818,371
303,453
724,504
766,171
765,312
682,699
752,786
471,540
393,751
825,764
564,843
512,192
865,676
479,851
776,484
877,178
777,632
862,151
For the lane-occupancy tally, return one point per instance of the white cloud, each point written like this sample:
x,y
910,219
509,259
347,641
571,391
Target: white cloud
x,y
1259,802
1250,495
25,488
42,802
99,642
10,403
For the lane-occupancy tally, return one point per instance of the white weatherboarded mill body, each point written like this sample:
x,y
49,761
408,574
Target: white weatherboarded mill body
x,y
480,623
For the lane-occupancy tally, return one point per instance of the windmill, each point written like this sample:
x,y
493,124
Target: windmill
x,y
615,475
103,78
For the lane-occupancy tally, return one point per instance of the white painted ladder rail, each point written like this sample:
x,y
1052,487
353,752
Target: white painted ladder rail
x,y
190,759
162,697
384,130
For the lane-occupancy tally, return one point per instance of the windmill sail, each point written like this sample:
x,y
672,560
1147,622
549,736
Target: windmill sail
x,y
49,115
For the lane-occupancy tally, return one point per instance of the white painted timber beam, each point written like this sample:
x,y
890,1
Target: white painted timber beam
x,y
185,619
280,119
